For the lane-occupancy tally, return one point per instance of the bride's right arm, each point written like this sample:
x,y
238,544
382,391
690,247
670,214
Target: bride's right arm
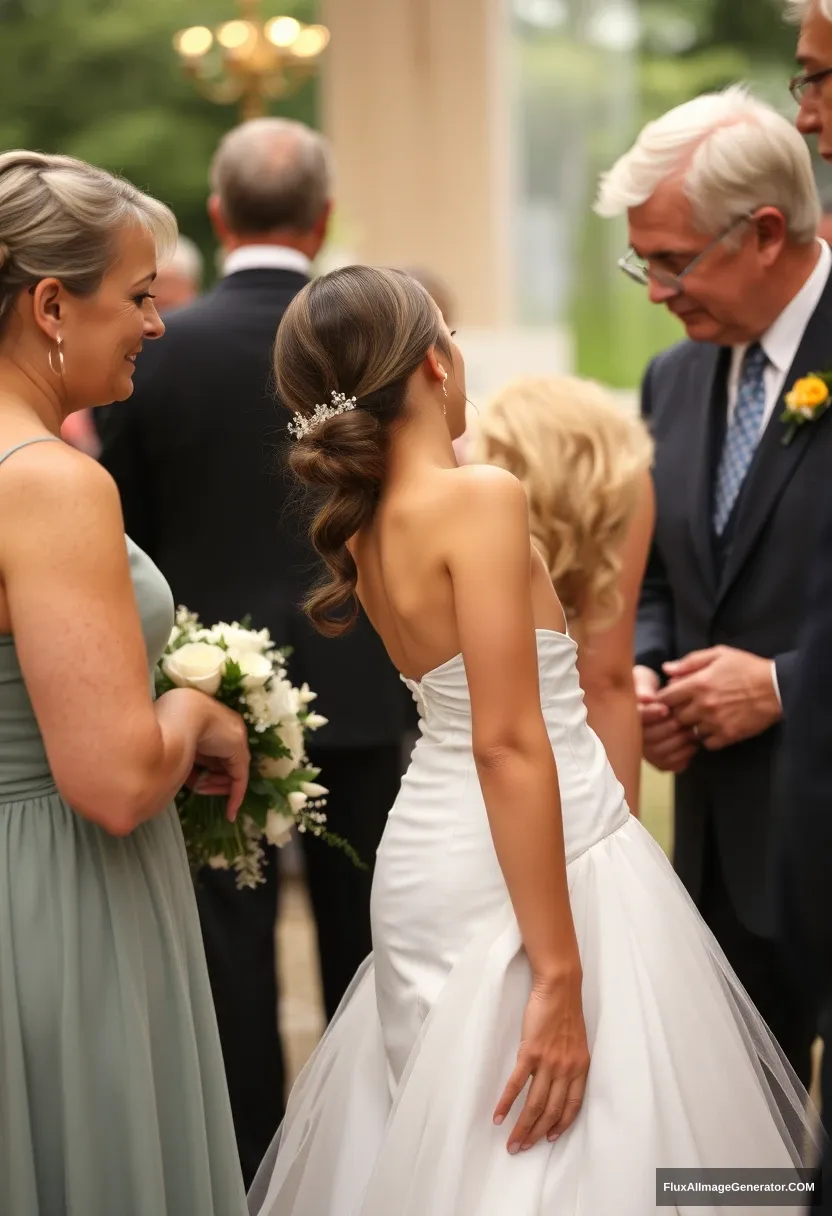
x,y
489,559
117,757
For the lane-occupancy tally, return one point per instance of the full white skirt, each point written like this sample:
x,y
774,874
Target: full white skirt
x,y
684,1072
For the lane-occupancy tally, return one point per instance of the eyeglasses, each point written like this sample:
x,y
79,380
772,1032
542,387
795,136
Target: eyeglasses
x,y
800,85
641,271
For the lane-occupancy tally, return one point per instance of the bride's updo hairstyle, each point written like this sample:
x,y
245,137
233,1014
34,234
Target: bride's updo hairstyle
x,y
60,218
359,332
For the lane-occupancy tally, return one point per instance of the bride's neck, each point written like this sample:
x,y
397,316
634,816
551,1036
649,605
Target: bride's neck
x,y
420,442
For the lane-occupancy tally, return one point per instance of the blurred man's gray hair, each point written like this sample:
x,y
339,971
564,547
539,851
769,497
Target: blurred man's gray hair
x,y
187,261
272,174
736,154
798,10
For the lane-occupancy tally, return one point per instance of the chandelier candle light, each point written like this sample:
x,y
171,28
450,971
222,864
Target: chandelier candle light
x,y
250,61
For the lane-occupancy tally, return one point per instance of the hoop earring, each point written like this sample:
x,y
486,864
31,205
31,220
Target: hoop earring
x,y
60,371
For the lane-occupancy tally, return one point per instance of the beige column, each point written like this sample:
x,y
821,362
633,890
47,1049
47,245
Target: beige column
x,y
415,102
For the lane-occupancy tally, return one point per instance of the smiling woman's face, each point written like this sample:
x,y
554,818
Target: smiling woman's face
x,y
102,334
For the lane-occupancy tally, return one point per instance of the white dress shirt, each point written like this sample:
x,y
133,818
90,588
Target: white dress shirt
x,y
781,343
267,257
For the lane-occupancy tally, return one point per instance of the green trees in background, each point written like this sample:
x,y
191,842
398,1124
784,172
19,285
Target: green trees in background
x,y
692,46
99,79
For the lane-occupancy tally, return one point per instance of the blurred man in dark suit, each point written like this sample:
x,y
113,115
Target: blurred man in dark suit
x,y
198,455
805,823
807,769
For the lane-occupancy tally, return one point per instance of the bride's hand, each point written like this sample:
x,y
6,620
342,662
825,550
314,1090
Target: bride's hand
x,y
553,1052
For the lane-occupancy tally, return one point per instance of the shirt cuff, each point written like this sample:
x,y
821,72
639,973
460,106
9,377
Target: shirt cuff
x,y
776,683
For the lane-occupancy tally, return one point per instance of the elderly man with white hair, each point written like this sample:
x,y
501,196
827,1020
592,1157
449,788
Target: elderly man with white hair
x,y
723,215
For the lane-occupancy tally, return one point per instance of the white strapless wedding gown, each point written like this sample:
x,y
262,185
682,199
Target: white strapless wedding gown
x,y
392,1116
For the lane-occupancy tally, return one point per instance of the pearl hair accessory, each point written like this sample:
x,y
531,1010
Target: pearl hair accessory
x,y
301,426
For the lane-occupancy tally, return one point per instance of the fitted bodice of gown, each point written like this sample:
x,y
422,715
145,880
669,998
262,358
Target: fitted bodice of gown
x,y
437,878
592,799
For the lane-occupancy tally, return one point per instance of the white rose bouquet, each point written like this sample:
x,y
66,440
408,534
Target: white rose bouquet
x,y
244,670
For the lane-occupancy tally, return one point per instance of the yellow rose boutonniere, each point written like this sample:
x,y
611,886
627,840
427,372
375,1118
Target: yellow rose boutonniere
x,y
809,398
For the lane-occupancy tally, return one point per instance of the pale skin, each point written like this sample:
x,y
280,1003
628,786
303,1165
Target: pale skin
x,y
605,658
814,54
66,595
447,567
719,696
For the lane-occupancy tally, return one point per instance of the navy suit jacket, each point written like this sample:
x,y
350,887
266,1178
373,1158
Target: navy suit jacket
x,y
755,599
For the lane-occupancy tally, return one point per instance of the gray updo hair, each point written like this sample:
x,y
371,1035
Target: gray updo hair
x,y
59,218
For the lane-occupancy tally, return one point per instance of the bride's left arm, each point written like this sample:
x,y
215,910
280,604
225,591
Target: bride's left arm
x,y
605,661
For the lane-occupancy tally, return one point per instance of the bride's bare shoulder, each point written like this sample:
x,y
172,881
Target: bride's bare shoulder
x,y
481,484
481,500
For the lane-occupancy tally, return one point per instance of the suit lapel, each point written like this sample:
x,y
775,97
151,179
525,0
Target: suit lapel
x,y
714,377
774,465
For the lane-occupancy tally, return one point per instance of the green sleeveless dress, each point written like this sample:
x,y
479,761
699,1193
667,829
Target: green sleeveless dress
x,y
113,1098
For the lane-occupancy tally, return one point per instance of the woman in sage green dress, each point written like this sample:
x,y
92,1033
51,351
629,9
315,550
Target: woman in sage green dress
x,y
113,1098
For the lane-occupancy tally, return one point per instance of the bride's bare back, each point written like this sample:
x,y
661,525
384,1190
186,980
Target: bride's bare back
x,y
430,522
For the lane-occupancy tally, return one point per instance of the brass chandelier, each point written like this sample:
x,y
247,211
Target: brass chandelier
x,y
249,61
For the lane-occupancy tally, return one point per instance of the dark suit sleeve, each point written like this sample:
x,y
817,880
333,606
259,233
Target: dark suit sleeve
x,y
123,456
806,805
655,643
786,665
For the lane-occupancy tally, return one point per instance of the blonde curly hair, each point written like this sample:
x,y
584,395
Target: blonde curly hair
x,y
581,458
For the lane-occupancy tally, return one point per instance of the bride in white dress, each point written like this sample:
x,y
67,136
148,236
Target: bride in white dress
x,y
545,1018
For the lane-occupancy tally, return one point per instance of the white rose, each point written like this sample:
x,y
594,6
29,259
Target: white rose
x,y
282,704
291,736
297,801
278,829
196,665
315,721
255,668
312,790
244,641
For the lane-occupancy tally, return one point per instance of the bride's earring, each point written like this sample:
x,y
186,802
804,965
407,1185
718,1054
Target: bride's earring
x,y
445,391
59,371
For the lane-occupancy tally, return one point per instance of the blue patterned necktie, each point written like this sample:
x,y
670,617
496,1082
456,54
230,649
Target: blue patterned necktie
x,y
742,436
